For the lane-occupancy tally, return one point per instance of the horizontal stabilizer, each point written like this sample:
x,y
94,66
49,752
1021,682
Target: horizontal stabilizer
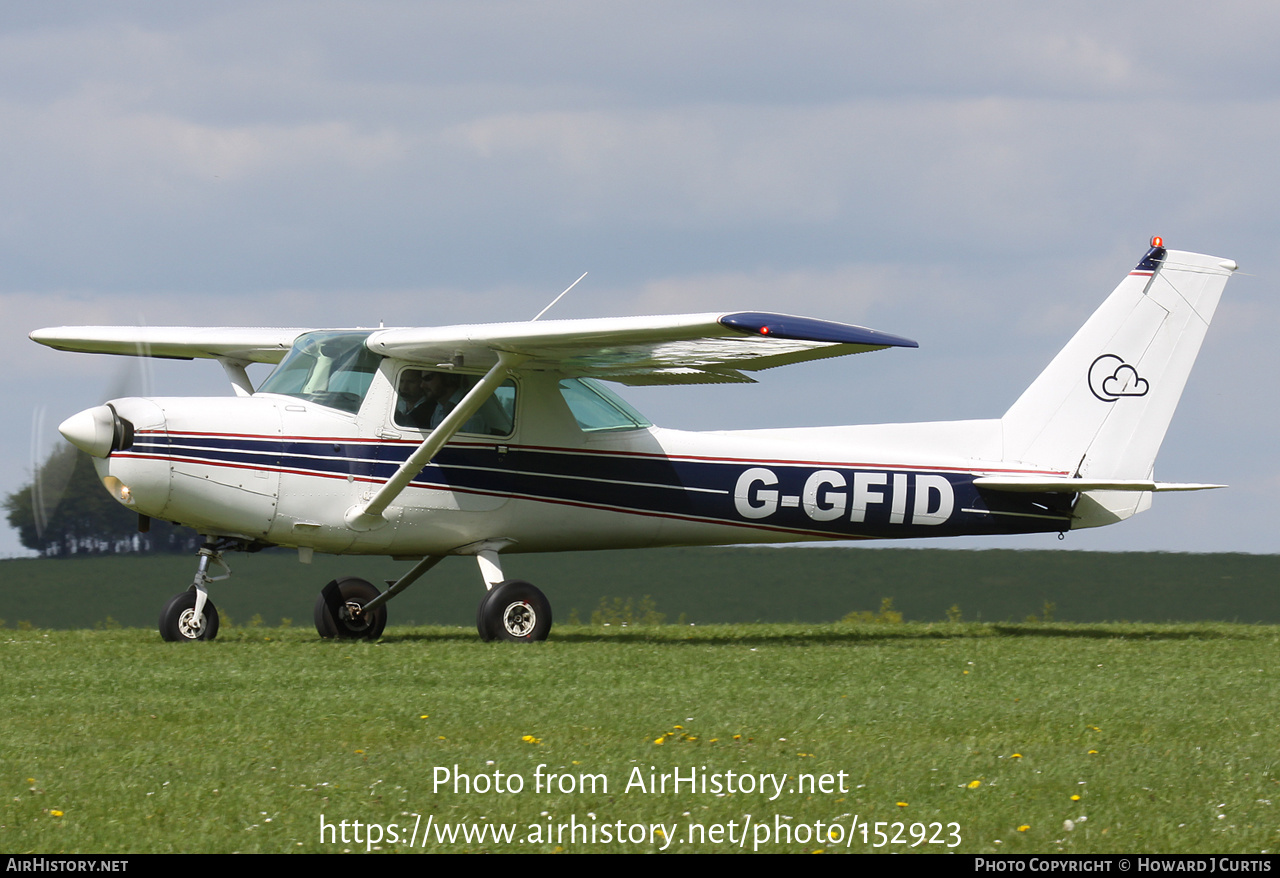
x,y
1063,485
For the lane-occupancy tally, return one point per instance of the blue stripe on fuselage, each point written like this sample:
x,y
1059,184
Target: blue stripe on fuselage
x,y
838,500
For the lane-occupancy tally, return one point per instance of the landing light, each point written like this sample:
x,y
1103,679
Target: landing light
x,y
118,489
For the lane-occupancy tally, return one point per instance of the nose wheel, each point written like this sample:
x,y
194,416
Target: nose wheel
x,y
181,622
191,615
514,611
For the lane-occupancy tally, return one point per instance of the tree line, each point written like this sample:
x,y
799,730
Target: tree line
x,y
65,512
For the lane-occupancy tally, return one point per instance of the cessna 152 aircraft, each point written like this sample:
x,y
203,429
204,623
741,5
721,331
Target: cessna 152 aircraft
x,y
489,439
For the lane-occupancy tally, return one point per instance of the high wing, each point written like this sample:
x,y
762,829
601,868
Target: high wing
x,y
251,344
678,349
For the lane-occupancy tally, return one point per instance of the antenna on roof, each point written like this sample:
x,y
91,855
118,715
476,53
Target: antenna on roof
x,y
559,297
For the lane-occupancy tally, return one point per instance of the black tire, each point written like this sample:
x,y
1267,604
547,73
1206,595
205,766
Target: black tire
x,y
178,623
334,616
514,611
482,620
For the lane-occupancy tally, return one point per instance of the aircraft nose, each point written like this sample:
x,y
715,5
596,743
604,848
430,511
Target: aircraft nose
x,y
97,431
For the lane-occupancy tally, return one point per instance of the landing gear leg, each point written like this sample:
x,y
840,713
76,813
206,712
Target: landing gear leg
x,y
191,615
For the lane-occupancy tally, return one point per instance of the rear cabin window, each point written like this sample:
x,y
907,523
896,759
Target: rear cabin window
x,y
598,409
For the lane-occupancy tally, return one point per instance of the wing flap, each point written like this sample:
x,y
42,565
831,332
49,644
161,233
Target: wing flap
x,y
681,376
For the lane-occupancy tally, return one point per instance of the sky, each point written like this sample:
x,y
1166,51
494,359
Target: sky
x,y
973,176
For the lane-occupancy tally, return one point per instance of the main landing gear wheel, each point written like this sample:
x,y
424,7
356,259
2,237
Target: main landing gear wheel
x,y
338,610
178,622
515,611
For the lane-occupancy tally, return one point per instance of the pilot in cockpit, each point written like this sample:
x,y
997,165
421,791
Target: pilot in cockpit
x,y
410,409
427,398
445,392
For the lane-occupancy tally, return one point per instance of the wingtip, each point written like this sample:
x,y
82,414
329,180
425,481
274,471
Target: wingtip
x,y
788,326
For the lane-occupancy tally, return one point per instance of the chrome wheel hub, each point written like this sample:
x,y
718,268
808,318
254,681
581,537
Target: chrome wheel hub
x,y
519,619
189,626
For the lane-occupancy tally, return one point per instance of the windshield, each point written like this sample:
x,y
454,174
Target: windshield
x,y
331,368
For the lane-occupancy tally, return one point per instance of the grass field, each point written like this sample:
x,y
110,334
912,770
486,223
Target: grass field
x,y
1147,738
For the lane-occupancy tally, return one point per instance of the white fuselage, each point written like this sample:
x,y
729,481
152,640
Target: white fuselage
x,y
284,471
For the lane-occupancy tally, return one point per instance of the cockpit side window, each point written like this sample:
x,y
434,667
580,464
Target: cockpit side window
x,y
331,368
597,409
424,397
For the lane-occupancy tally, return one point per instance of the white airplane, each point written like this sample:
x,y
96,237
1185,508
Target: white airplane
x,y
489,439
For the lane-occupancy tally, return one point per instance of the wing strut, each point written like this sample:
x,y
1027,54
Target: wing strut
x,y
368,516
235,370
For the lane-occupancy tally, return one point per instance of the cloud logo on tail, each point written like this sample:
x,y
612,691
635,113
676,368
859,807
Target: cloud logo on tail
x,y
1110,378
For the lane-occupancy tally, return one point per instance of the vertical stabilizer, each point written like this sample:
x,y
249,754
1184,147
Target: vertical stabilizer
x,y
1101,408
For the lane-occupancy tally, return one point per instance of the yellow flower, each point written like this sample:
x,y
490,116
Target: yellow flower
x,y
1075,798
530,739
359,752
661,739
1024,827
55,813
974,784
902,804
424,716
1093,752
1016,756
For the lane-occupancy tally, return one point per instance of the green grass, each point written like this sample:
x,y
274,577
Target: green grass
x,y
244,743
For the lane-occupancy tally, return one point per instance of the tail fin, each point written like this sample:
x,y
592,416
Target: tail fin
x,y
1101,408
